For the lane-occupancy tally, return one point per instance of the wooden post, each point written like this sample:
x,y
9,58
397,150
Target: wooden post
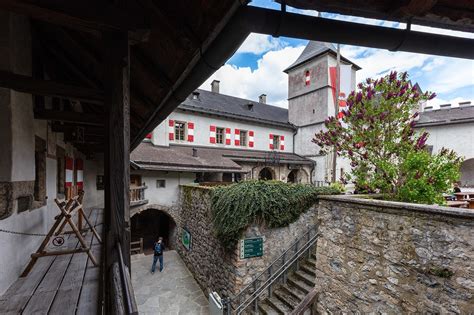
x,y
117,159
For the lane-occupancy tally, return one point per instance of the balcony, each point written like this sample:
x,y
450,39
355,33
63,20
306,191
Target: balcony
x,y
137,196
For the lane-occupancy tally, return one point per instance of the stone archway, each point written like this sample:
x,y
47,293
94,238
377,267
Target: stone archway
x,y
293,176
266,173
151,223
467,173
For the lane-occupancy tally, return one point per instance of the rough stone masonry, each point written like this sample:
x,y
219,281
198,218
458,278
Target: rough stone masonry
x,y
397,258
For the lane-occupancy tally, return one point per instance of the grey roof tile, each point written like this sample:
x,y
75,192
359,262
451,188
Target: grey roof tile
x,y
446,116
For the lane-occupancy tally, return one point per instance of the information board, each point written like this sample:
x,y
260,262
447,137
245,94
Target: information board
x,y
251,247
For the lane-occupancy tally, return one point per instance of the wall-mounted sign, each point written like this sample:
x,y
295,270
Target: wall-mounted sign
x,y
251,247
186,239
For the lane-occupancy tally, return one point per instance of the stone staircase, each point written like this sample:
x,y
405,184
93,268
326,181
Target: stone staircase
x,y
287,296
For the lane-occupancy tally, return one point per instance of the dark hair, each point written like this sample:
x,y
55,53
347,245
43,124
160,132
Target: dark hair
x,y
160,238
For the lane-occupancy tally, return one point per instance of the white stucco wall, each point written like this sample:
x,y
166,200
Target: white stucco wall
x,y
202,126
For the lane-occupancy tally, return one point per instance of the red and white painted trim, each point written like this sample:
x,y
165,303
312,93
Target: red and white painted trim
x,y
251,139
227,136
282,143
307,78
171,129
237,137
69,171
190,132
270,143
80,174
212,134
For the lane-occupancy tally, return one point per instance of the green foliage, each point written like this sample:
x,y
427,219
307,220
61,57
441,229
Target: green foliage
x,y
377,135
338,186
272,203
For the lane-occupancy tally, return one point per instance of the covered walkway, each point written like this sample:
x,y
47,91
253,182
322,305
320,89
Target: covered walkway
x,y
173,291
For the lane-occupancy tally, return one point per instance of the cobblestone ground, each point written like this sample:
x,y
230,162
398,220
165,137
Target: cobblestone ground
x,y
173,291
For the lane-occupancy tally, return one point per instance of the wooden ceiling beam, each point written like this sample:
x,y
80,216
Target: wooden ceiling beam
x,y
26,84
72,117
86,15
68,128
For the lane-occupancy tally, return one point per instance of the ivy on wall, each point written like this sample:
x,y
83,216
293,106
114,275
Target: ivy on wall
x,y
270,203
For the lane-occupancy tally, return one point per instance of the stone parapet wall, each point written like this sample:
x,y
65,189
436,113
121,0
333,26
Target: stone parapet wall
x,y
216,269
396,258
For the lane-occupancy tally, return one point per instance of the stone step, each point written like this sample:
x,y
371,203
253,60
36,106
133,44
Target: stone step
x,y
311,270
278,305
287,298
266,309
307,278
311,261
301,285
294,290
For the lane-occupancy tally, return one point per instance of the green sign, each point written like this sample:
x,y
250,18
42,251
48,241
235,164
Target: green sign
x,y
251,247
186,239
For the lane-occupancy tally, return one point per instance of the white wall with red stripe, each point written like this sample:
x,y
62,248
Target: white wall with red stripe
x,y
201,131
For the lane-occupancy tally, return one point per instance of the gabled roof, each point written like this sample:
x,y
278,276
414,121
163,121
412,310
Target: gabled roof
x,y
315,49
236,108
450,116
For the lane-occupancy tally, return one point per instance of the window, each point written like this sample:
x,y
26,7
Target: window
x,y
160,183
276,142
40,173
220,135
179,131
100,182
61,169
243,138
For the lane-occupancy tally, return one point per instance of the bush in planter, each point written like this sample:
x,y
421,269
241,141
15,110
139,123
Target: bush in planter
x,y
376,133
272,203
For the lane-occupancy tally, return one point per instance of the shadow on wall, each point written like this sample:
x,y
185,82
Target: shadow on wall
x,y
151,224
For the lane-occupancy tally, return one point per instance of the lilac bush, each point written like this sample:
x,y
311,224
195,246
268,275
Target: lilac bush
x,y
377,135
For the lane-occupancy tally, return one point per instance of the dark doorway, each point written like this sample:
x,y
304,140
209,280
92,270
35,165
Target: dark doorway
x,y
293,176
151,224
265,174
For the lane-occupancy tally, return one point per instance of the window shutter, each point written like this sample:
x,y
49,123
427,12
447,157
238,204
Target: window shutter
x,y
227,136
190,131
251,139
212,134
271,142
69,171
171,130
237,137
282,142
148,136
80,173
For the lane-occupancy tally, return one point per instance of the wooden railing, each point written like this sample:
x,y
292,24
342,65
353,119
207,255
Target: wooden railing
x,y
137,246
137,195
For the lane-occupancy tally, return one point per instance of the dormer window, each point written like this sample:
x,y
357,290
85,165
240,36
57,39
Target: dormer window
x,y
250,106
195,95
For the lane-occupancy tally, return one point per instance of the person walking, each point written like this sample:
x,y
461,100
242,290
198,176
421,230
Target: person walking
x,y
158,248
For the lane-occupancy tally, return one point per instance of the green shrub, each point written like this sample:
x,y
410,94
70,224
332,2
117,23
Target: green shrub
x,y
271,203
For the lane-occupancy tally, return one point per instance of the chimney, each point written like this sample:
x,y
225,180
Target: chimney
x,y
444,106
215,86
195,151
262,98
428,108
463,104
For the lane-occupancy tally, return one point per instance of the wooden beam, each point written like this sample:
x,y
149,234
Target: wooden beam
x,y
27,84
72,117
86,15
88,130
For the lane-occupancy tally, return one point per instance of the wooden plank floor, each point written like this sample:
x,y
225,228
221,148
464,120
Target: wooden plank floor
x,y
66,284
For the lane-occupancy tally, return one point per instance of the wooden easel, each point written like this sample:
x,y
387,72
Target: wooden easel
x,y
67,210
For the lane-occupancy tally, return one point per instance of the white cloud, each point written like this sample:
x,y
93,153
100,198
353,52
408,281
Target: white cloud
x,y
268,78
258,44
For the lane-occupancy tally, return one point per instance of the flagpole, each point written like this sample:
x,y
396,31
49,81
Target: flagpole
x,y
336,107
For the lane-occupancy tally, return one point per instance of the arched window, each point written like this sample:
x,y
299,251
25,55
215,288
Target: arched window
x,y
307,78
265,174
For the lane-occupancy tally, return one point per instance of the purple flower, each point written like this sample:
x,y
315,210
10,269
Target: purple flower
x,y
359,97
389,95
421,142
350,153
393,76
416,114
360,86
432,96
370,93
399,83
416,95
369,80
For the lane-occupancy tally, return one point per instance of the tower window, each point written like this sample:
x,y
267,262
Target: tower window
x,y
307,78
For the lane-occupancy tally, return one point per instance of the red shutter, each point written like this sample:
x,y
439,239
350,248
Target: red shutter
x,y
227,136
271,142
282,142
171,130
251,139
212,134
190,132
237,137
148,136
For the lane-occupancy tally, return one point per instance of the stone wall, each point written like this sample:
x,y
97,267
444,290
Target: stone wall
x,y
214,268
397,258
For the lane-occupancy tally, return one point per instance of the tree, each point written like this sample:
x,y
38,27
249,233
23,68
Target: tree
x,y
376,133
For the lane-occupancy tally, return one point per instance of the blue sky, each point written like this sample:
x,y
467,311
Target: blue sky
x,y
257,66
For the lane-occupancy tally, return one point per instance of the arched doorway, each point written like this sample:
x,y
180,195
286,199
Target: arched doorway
x,y
293,176
265,174
151,224
467,173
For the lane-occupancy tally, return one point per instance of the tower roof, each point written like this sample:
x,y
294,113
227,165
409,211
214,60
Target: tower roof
x,y
314,49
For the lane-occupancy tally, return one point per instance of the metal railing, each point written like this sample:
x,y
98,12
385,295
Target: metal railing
x,y
276,273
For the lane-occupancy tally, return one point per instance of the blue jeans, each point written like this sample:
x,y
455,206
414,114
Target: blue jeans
x,y
155,258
